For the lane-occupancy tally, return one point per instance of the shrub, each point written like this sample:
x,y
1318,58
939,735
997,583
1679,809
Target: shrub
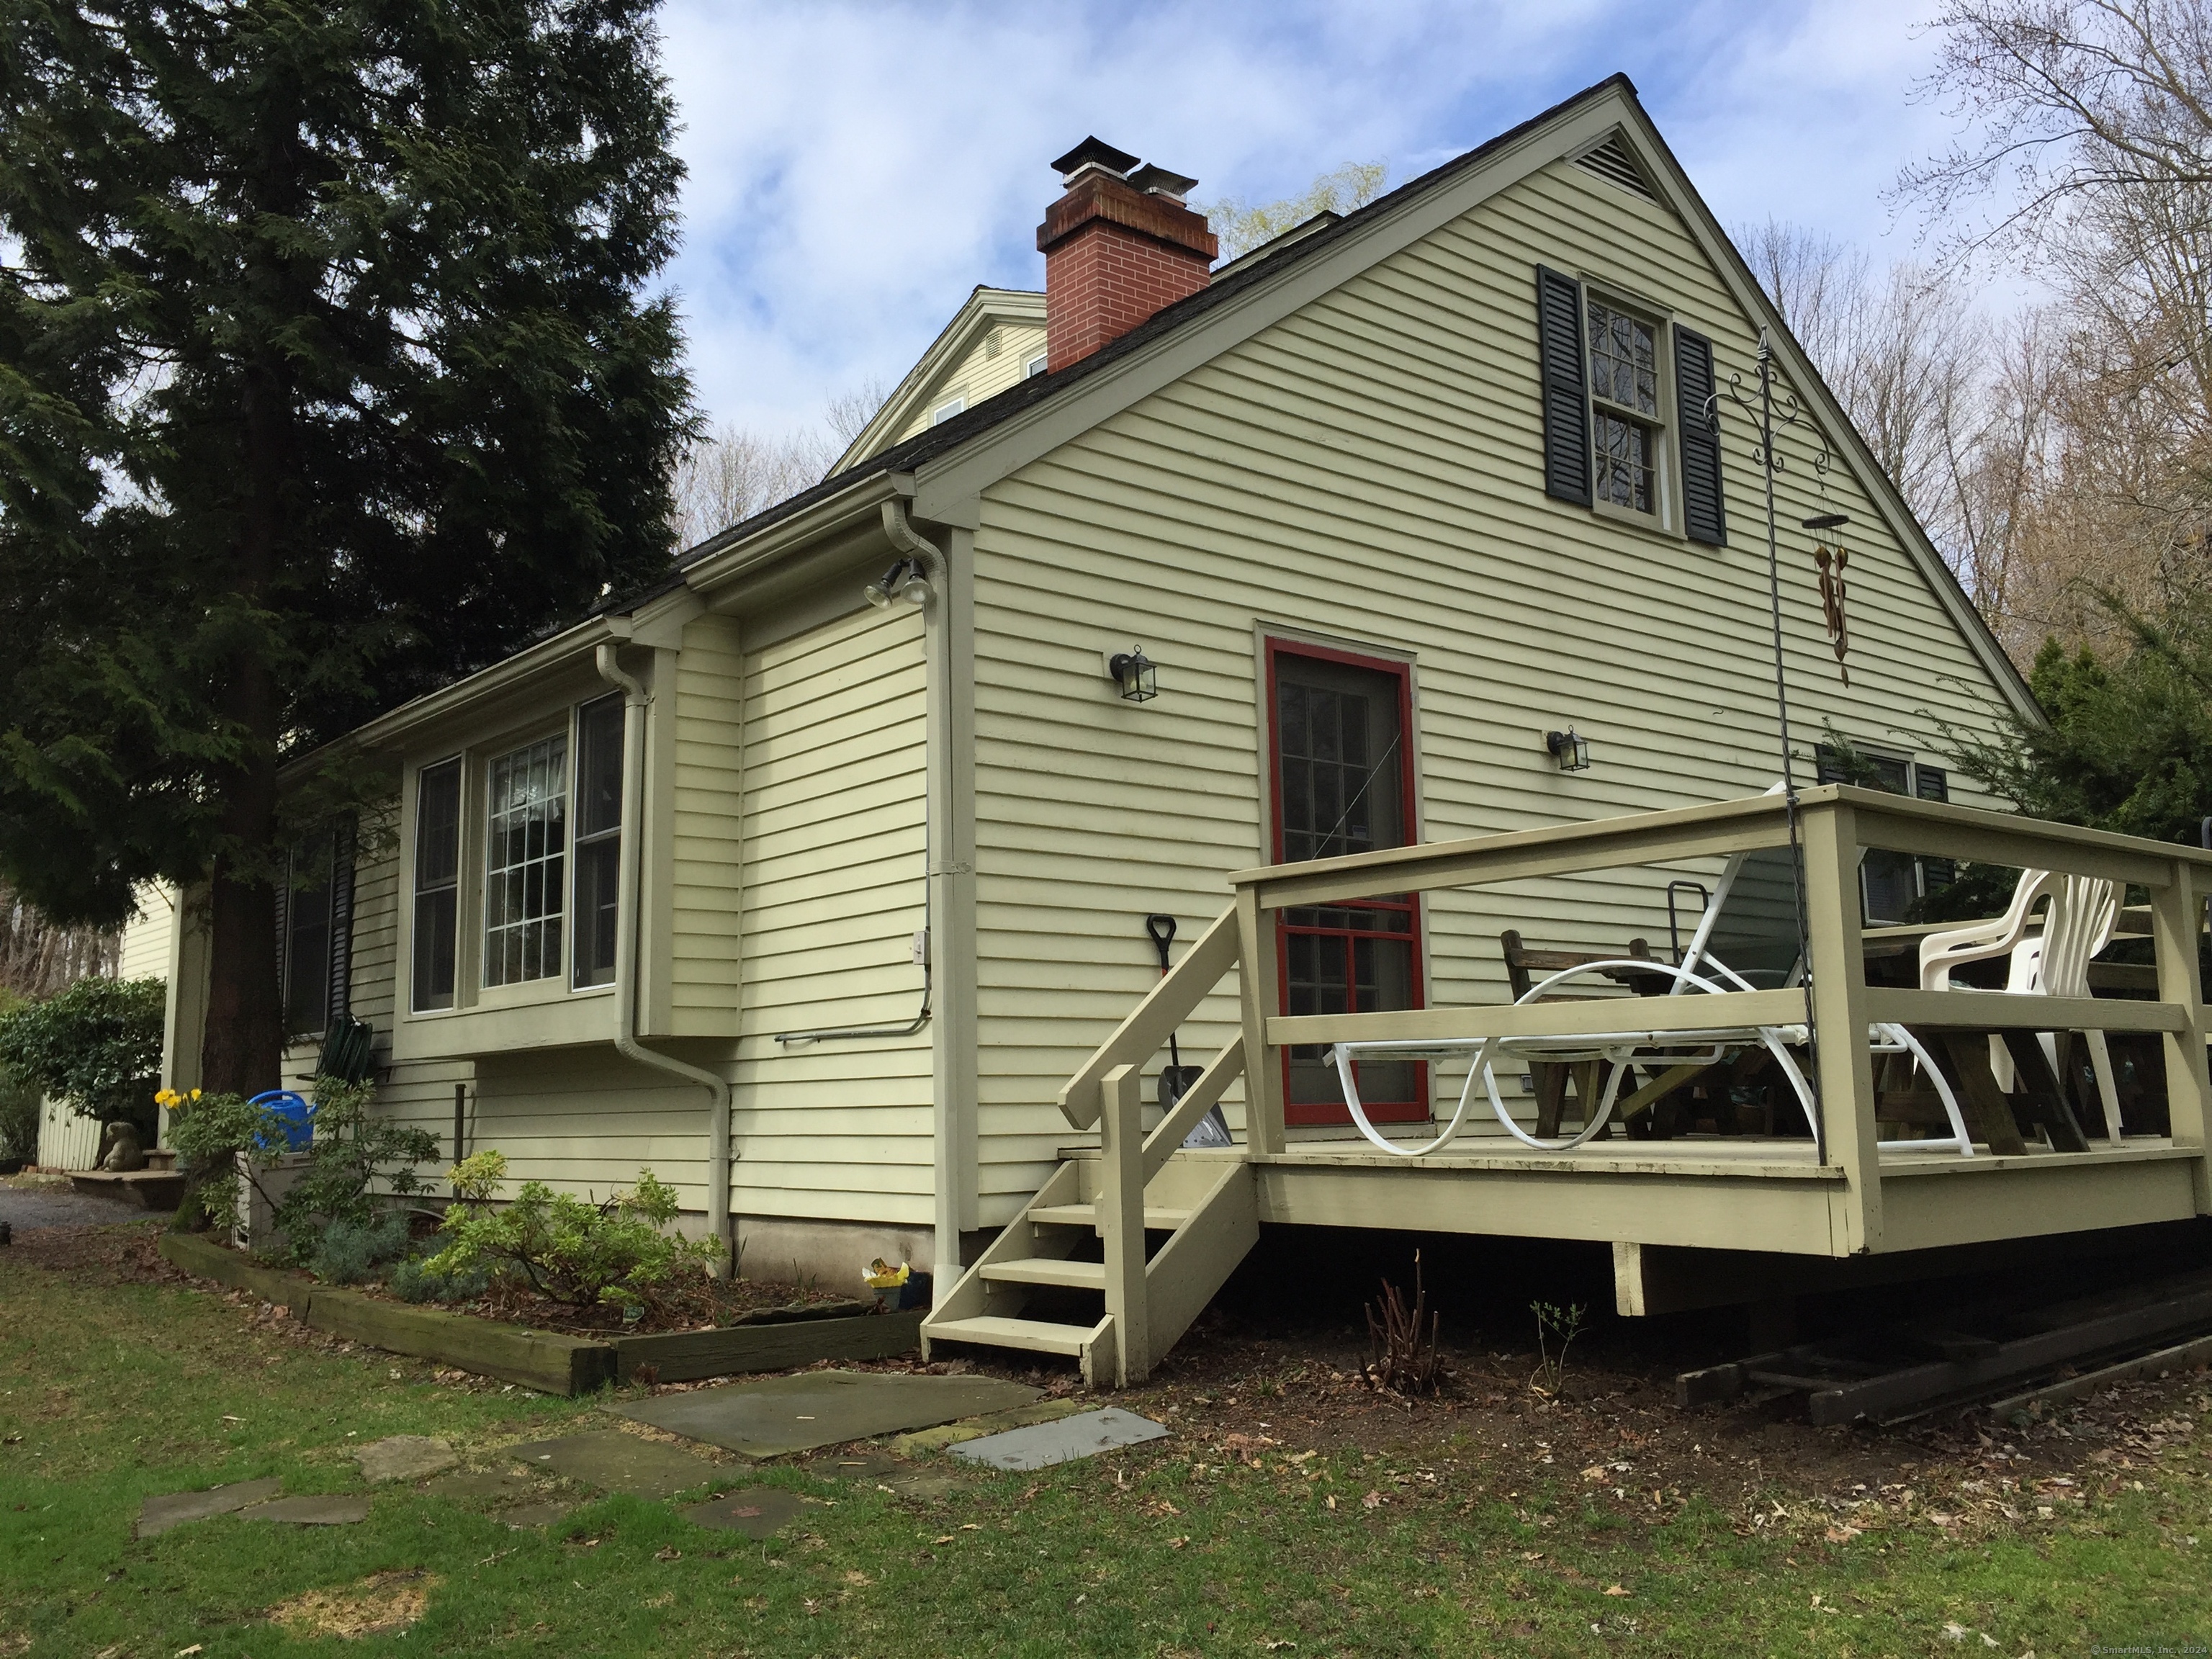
x,y
417,1279
352,1151
349,1251
569,1249
209,1133
96,1047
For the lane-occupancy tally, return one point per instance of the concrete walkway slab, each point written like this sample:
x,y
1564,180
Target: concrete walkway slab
x,y
757,1513
614,1462
157,1515
1043,1445
311,1511
785,1414
404,1457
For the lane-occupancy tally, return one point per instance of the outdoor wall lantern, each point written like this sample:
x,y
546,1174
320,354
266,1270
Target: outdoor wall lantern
x,y
1570,747
1135,674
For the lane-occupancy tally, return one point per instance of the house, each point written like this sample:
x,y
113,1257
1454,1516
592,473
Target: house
x,y
809,878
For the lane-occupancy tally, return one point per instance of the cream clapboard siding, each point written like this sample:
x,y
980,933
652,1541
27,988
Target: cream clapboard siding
x,y
1369,471
148,934
583,1120
834,890
994,363
707,870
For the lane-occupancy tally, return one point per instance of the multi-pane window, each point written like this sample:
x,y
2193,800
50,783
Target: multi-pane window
x,y
437,884
526,858
309,887
1889,881
1624,425
1342,786
598,837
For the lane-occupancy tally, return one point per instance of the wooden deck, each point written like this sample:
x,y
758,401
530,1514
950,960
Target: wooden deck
x,y
1742,1197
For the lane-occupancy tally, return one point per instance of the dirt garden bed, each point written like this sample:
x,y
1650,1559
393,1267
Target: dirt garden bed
x,y
746,1326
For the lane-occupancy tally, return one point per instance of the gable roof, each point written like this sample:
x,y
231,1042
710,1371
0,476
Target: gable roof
x,y
1049,407
985,309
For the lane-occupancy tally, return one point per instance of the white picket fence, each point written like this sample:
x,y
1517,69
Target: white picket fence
x,y
67,1140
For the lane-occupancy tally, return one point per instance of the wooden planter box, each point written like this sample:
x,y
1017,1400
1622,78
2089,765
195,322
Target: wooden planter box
x,y
541,1360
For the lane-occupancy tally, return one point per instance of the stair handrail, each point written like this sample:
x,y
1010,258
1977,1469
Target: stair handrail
x,y
1173,999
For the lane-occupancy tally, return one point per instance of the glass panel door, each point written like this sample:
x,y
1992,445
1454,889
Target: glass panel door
x,y
1343,784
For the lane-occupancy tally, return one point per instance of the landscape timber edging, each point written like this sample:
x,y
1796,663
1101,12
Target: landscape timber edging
x,y
546,1361
205,1259
728,1349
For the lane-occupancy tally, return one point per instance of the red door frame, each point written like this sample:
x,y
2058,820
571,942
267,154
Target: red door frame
x,y
1416,1110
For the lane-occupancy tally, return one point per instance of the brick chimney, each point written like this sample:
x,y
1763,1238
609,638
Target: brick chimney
x,y
1119,245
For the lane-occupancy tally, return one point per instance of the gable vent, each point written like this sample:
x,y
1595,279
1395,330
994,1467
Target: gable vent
x,y
1611,161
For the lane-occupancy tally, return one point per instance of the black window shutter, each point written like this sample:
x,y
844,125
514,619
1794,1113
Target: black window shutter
x,y
1703,517
1566,397
339,990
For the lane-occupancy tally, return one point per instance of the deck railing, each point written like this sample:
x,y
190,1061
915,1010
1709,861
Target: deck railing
x,y
1835,825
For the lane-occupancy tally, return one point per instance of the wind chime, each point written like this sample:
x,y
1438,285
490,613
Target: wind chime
x,y
1830,562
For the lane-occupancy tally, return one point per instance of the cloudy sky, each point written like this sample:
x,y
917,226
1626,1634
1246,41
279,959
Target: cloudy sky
x,y
855,169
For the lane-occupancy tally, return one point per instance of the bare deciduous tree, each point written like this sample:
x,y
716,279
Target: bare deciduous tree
x,y
2086,155
37,958
732,473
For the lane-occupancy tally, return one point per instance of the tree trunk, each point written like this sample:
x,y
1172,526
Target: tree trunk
x,y
244,1036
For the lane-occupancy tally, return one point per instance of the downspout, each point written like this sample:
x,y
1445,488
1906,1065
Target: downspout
x,y
630,923
938,859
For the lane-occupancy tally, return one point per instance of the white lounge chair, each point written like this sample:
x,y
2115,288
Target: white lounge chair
x,y
1700,972
2079,914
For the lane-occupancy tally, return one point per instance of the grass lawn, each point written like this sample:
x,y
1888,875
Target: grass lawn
x,y
1432,1537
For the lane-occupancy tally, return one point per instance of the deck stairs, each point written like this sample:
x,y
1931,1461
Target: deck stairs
x,y
1122,1248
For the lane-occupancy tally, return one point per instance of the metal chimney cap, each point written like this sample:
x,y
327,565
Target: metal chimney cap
x,y
1155,181
1095,152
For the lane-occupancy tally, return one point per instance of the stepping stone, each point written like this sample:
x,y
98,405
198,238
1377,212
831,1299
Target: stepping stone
x,y
158,1514
312,1512
614,1462
523,1516
483,1485
757,1513
404,1457
796,1413
874,1469
1043,1445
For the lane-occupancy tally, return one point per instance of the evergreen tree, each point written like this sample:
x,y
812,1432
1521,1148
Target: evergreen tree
x,y
328,371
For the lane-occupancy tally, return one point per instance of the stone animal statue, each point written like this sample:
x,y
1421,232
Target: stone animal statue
x,y
119,1148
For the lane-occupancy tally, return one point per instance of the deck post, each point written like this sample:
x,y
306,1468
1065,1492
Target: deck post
x,y
1255,990
2176,917
1121,1220
1830,838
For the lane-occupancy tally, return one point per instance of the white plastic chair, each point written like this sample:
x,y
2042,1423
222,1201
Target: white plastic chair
x,y
2080,913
